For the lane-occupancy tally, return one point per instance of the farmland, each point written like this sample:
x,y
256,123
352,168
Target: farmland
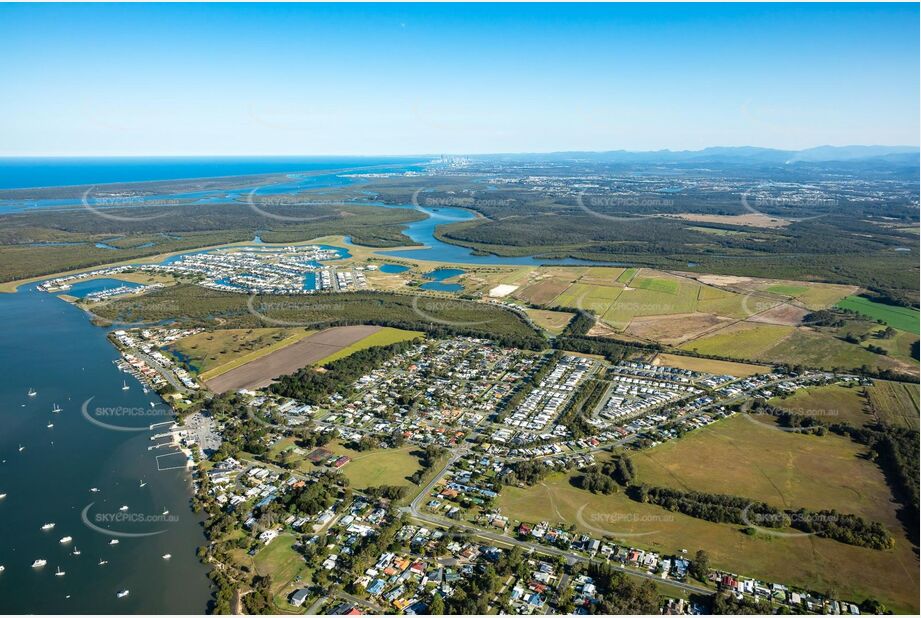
x,y
895,403
902,318
384,336
211,353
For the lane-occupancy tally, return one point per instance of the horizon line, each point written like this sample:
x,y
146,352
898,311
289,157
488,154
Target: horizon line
x,y
446,153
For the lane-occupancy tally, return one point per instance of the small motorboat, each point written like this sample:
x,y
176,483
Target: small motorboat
x,y
167,556
66,539
121,594
39,563
48,526
113,542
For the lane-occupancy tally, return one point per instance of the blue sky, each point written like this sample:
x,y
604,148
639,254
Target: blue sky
x,y
408,79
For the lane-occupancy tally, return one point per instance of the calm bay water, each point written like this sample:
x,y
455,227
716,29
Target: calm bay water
x,y
50,346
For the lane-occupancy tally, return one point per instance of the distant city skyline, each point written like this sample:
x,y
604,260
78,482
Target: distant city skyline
x,y
396,79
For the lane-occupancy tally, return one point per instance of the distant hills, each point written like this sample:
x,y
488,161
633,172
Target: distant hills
x,y
894,155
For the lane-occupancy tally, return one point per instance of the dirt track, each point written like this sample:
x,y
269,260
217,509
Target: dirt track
x,y
261,372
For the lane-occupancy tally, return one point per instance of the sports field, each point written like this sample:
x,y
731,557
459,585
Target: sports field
x,y
376,467
902,318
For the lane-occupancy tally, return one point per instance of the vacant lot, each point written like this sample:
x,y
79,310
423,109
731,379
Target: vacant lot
x,y
902,318
376,467
742,340
384,336
831,403
675,329
706,365
210,353
820,564
595,298
262,371
895,403
551,321
543,292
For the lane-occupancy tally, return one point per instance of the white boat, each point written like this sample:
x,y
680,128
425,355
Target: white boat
x,y
123,507
48,526
125,386
122,593
21,448
2,568
2,496
142,484
167,556
32,392
59,572
76,552
94,489
50,425
165,512
56,408
144,388
103,562
67,539
39,563
113,542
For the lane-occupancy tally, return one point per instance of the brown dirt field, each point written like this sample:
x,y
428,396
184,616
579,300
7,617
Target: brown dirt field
x,y
749,220
722,280
676,329
262,371
785,315
544,292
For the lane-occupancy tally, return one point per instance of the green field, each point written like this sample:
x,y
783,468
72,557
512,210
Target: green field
x,y
656,284
902,318
820,564
896,403
744,340
832,403
596,298
384,336
280,560
376,467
